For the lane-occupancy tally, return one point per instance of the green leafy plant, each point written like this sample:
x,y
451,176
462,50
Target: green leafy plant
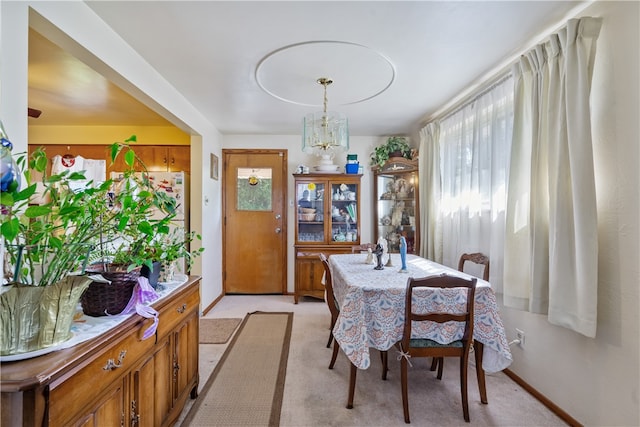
x,y
50,230
395,145
46,241
173,246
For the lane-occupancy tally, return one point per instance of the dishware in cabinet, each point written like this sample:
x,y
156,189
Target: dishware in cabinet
x,y
327,221
397,203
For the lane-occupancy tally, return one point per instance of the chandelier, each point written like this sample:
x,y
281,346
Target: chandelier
x,y
325,133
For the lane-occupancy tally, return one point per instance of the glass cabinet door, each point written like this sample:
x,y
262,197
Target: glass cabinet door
x,y
310,205
344,212
396,209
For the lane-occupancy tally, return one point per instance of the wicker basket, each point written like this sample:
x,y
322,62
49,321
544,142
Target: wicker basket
x,y
307,217
102,299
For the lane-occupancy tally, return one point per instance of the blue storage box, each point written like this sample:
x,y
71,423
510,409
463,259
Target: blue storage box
x,y
352,167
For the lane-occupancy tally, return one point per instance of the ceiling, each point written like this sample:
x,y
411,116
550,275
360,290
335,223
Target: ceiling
x,y
251,67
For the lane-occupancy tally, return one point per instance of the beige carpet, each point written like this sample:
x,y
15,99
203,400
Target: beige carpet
x,y
217,331
315,396
246,387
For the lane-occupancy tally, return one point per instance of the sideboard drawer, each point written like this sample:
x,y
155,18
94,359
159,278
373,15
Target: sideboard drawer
x,y
102,370
174,313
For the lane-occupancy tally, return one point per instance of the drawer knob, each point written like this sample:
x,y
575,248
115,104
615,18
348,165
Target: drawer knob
x,y
111,364
182,309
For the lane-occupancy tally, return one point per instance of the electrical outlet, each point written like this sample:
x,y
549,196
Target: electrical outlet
x,y
520,337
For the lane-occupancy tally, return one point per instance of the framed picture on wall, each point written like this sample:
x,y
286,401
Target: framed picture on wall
x,y
214,166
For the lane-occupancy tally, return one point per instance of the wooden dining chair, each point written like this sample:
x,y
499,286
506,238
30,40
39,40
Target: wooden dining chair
x,y
362,248
334,308
438,363
413,348
476,258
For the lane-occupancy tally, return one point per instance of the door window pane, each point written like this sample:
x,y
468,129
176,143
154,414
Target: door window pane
x,y
254,189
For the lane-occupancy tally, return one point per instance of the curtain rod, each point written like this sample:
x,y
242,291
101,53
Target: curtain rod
x,y
471,95
505,70
471,99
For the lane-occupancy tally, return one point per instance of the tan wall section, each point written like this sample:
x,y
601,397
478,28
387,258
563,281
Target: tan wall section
x,y
105,135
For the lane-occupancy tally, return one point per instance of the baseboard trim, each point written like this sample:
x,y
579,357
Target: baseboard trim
x,y
210,306
543,399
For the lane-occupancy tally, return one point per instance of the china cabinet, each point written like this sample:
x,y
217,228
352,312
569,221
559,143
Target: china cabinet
x,y
328,222
116,378
396,203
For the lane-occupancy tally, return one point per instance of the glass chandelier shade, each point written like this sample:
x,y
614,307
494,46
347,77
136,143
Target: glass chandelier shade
x,y
325,132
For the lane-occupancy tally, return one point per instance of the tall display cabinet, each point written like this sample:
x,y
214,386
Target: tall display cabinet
x,y
397,203
328,222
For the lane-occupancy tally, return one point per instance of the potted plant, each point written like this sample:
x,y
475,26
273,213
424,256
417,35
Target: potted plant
x,y
44,247
396,146
50,231
168,248
128,244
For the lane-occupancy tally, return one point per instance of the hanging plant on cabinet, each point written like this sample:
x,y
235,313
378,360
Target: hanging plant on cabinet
x,y
396,146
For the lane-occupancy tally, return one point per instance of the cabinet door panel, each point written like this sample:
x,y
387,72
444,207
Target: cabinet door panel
x,y
179,158
309,272
154,158
111,411
142,401
162,379
180,366
192,355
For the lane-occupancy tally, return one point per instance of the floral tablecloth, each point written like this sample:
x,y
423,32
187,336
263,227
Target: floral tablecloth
x,y
372,304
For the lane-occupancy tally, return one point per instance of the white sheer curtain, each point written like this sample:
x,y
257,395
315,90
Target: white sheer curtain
x,y
474,147
429,185
551,246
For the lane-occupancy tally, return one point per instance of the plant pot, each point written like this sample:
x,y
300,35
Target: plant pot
x,y
36,317
108,298
168,271
152,274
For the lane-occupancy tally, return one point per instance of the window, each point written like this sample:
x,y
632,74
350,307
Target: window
x,y
475,143
254,189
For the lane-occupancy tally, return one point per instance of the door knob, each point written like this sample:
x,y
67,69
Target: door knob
x,y
278,230
278,216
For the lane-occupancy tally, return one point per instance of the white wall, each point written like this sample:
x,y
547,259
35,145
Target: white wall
x,y
597,380
76,28
360,145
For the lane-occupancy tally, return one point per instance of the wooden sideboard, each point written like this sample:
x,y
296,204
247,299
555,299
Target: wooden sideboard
x,y
115,379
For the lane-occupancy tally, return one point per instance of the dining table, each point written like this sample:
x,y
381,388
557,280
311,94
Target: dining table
x,y
372,309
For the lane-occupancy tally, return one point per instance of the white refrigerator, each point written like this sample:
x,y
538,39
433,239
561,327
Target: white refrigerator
x,y
176,186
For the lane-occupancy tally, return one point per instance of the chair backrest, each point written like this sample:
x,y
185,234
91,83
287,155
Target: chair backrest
x,y
476,258
439,282
328,285
362,248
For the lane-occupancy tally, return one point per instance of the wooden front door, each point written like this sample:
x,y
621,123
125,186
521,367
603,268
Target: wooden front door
x,y
254,221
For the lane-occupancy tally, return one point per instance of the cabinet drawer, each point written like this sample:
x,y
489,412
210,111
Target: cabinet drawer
x,y
68,397
177,311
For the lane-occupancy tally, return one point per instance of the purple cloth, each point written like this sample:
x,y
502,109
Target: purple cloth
x,y
143,294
